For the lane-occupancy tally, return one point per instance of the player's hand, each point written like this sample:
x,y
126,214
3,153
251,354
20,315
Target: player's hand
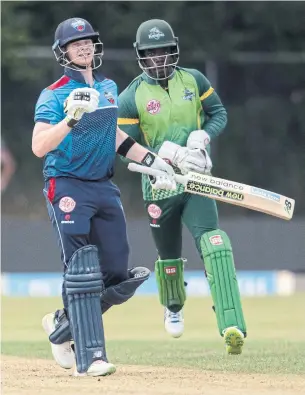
x,y
197,160
198,139
186,159
163,181
79,101
173,153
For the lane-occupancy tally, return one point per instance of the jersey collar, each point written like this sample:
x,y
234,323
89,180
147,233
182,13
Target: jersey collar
x,y
152,81
77,76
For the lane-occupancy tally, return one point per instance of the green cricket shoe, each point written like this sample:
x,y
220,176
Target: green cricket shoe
x,y
234,340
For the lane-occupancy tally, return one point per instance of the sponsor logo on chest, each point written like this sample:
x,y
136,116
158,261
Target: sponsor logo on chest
x,y
153,107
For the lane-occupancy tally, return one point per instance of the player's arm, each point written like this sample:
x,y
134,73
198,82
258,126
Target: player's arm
x,y
128,148
50,129
213,108
47,137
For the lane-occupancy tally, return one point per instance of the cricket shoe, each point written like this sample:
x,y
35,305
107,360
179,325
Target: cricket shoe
x,y
234,340
174,323
97,368
62,353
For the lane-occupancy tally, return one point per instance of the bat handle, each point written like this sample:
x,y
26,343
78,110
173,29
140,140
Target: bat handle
x,y
154,172
145,170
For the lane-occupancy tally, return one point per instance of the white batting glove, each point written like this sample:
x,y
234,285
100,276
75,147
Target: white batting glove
x,y
165,181
198,139
79,101
198,160
186,159
174,153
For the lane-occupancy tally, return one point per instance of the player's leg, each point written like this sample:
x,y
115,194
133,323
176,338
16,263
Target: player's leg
x,y
109,233
83,282
165,223
201,218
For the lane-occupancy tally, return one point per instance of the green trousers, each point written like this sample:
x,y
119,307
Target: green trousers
x,y
166,217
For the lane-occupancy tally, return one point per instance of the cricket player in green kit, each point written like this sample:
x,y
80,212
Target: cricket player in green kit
x,y
174,111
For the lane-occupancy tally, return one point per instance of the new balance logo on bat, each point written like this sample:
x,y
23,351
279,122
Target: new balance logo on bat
x,y
193,186
216,181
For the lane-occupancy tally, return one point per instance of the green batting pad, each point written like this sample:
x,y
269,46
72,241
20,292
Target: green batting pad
x,y
169,276
220,270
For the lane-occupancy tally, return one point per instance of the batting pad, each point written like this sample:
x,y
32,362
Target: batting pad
x,y
83,283
220,270
120,293
169,276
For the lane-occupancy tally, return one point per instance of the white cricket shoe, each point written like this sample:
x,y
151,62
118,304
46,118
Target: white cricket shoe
x,y
97,368
62,353
174,323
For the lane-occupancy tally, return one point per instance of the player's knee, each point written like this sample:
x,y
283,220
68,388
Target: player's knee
x,y
213,240
115,274
200,236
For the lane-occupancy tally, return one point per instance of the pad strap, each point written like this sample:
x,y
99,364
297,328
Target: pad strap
x,y
120,293
113,295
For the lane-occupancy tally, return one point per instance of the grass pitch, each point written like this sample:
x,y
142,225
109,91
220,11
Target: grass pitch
x,y
272,361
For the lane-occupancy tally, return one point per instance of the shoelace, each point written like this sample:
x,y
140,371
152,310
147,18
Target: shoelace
x,y
174,317
68,349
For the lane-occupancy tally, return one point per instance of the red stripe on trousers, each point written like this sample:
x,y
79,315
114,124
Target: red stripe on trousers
x,y
51,189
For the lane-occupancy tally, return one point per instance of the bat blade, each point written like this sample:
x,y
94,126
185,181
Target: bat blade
x,y
243,195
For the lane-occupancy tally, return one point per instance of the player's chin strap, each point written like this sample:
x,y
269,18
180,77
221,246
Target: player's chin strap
x,y
111,296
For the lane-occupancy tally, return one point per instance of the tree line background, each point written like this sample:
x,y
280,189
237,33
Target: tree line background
x,y
253,52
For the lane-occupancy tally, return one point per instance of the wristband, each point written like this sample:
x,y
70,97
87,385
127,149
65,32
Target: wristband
x,y
125,146
71,122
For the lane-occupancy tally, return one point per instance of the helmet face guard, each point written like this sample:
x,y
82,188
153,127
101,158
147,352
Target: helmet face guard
x,y
63,58
73,30
161,66
157,49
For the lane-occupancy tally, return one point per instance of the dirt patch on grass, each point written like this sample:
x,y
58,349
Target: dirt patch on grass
x,y
22,376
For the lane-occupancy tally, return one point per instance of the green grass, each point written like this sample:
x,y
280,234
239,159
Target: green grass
x,y
135,334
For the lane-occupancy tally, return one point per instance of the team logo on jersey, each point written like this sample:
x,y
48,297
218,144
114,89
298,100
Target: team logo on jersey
x,y
67,204
78,25
153,107
154,211
109,97
155,33
188,95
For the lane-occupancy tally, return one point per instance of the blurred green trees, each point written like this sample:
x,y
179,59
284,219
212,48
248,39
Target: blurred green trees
x,y
264,143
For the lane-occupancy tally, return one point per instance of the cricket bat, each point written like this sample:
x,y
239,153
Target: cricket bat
x,y
231,192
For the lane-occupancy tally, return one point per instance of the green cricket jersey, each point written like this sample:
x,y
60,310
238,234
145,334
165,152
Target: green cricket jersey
x,y
151,114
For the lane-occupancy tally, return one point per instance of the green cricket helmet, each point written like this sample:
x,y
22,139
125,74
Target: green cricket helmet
x,y
157,49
